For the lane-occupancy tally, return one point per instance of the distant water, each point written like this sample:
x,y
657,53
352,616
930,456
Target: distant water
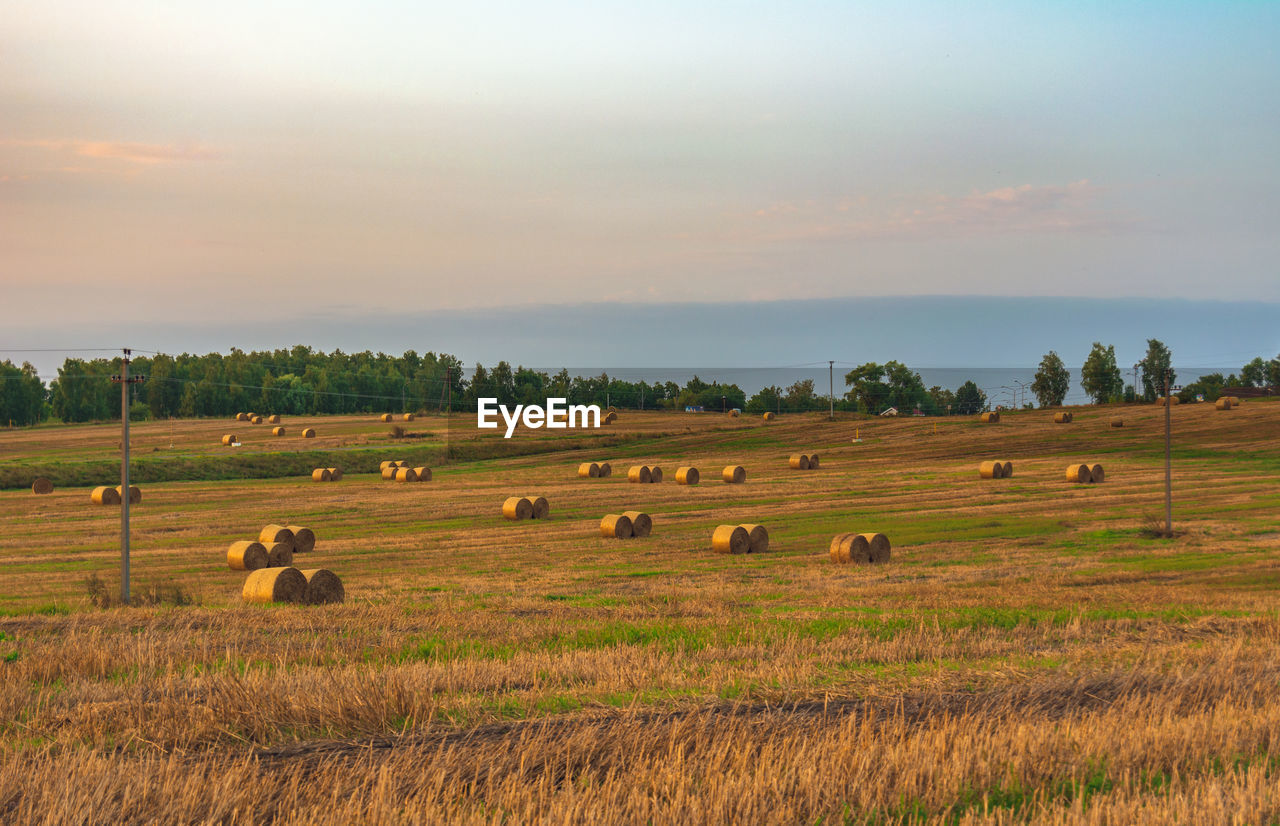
x,y
1003,385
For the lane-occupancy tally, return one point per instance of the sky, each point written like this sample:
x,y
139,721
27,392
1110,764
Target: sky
x,y
171,165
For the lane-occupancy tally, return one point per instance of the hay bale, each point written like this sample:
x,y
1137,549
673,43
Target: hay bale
x,y
733,414
731,539
655,475
41,486
229,439
1116,421
135,494
249,416
389,473
734,474
272,534
246,555
406,474
989,418
687,476
639,475
1165,401
321,474
1097,474
256,420
616,526
517,507
1008,469
274,418
991,470
323,587
408,417
385,417
383,465
308,432
424,474
280,555
588,470
768,416
335,474
758,538
1079,474
878,546
1062,417
609,418
242,417
1235,401
541,508
849,548
105,496
304,539
1223,403
267,585
641,523
813,461
277,431
798,461
606,470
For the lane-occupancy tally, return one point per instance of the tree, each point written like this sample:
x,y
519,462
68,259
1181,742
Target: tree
x,y
768,399
1154,367
1052,381
1100,377
1209,385
1254,374
22,395
892,384
970,399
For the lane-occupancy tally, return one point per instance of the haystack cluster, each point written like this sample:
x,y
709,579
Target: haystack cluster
x,y
626,525
112,496
644,474
1081,473
326,474
995,470
592,470
398,470
523,507
803,461
859,548
740,539
990,418
272,577
1062,417
1224,403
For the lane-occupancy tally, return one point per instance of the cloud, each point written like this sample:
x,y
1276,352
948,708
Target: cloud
x,y
129,152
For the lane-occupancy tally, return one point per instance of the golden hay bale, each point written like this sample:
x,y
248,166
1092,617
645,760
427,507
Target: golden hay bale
x,y
655,474
256,420
408,417
1008,469
321,474
229,439
388,464
249,416
246,556
639,474
424,474
687,476
878,544
799,461
517,507
1164,401
105,496
731,539
641,523
588,470
323,587
990,418
734,474
991,470
242,417
758,538
768,416
1223,403
1079,473
335,474
1062,418
308,432
606,470
609,418
541,508
275,585
280,555
733,414
406,474
304,539
1097,474
813,461
616,526
1116,421
135,494
389,473
385,417
277,431
850,548
41,486
274,418
272,534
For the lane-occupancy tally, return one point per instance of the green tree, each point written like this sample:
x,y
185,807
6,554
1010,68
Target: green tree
x,y
1154,365
1100,377
876,387
1052,381
970,399
22,395
769,398
1254,374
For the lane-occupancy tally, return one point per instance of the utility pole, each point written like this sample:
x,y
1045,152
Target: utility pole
x,y
1136,394
1168,451
124,380
831,389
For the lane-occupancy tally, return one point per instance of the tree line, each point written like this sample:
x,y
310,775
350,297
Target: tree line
x,y
303,381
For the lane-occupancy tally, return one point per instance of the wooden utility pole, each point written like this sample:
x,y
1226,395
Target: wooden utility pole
x,y
831,389
1168,455
124,380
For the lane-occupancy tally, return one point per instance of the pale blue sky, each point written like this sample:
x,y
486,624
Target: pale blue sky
x,y
252,161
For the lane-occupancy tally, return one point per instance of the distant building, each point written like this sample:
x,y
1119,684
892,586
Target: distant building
x,y
892,411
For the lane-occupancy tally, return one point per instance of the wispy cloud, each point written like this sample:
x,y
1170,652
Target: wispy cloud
x,y
129,152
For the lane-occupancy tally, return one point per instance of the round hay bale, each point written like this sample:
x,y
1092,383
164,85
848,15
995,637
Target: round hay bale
x,y
1097,474
105,496
731,539
878,546
242,417
335,474
655,474
135,494
1223,403
639,474
850,548
1008,470
990,417
246,555
733,414
1235,401
408,417
304,539
517,507
389,473
609,418
588,470
323,587
274,418
385,417
229,439
277,431
687,476
758,538
406,474
280,554
1116,421
41,486
267,585
1079,474
798,461
321,474
734,474
1061,417
768,416
383,465
616,526
991,470
308,432
606,470
256,420
641,523
541,507
272,534
424,474
813,461
249,416
1165,401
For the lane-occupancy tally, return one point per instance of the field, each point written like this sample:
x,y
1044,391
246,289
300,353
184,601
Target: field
x,y
1032,653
